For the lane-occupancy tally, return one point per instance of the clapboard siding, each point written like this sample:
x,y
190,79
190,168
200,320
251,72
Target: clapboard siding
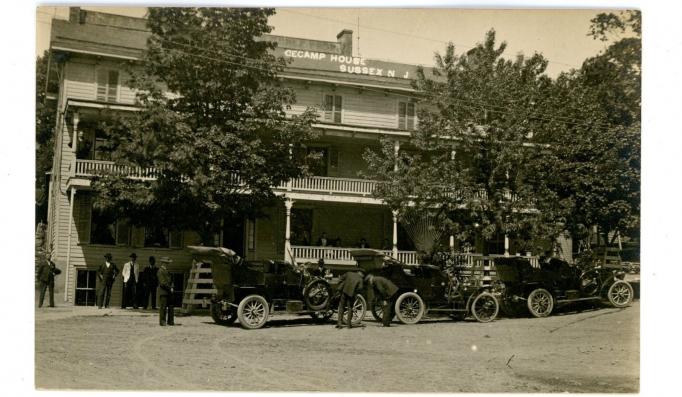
x,y
80,80
362,108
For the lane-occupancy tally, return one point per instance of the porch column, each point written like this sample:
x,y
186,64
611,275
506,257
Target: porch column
x,y
452,243
506,244
288,204
74,144
395,234
68,246
396,151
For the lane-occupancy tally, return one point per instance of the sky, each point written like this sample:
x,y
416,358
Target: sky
x,y
414,35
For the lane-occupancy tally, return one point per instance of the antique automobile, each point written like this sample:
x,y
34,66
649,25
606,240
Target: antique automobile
x,y
556,283
427,289
252,291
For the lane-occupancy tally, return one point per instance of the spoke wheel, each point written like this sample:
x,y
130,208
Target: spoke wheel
x,y
485,307
540,303
253,312
620,293
409,307
222,317
359,310
317,295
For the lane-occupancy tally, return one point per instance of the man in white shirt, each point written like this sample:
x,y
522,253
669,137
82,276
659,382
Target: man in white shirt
x,y
131,276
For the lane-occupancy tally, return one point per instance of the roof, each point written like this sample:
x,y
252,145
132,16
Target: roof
x,y
123,37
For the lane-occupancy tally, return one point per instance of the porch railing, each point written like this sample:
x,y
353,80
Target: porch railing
x,y
321,184
341,255
90,168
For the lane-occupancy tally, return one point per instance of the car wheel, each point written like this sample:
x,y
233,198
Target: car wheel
x,y
253,312
485,307
409,307
359,310
540,303
620,293
222,317
317,295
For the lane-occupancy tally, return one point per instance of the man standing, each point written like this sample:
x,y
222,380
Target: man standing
x,y
150,278
384,289
106,274
131,275
350,284
166,312
46,273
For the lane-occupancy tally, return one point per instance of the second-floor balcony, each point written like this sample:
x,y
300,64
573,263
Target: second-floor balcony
x,y
316,185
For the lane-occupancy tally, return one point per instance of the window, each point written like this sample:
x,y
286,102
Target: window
x,y
93,143
251,234
406,115
332,108
102,228
85,288
107,85
161,237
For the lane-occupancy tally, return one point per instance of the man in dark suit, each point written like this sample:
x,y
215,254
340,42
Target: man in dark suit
x,y
46,273
350,284
150,278
385,290
106,274
166,313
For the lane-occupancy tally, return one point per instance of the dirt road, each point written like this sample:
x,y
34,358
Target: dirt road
x,y
591,351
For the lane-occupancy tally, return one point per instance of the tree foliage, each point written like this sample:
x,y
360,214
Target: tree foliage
x,y
212,122
502,148
469,158
45,124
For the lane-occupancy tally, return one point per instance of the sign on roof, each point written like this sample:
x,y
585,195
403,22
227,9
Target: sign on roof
x,y
305,59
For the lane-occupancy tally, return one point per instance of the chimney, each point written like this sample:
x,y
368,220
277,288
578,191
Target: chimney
x,y
345,40
76,15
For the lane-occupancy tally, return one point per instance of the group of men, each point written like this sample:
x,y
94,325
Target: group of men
x,y
139,287
377,287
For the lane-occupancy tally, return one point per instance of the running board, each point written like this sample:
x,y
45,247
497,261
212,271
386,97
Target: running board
x,y
591,298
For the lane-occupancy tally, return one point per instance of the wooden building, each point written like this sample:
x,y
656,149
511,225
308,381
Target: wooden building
x,y
361,100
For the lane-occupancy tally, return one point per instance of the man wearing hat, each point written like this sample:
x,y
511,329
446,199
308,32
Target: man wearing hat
x,y
384,289
350,284
105,280
131,275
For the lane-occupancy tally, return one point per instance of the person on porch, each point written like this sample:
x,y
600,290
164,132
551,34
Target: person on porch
x,y
363,243
323,241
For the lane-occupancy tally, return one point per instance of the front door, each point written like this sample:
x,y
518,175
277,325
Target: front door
x,y
233,235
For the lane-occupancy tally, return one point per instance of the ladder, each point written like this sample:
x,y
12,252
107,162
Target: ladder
x,y
199,288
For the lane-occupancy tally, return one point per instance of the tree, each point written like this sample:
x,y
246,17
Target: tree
x,y
469,159
223,131
45,122
597,168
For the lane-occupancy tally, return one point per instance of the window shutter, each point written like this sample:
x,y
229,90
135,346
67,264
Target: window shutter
x,y
112,94
175,239
122,232
337,109
328,107
402,112
102,80
410,116
137,237
84,206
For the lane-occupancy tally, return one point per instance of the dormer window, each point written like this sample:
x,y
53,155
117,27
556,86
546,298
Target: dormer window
x,y
333,105
107,85
406,115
